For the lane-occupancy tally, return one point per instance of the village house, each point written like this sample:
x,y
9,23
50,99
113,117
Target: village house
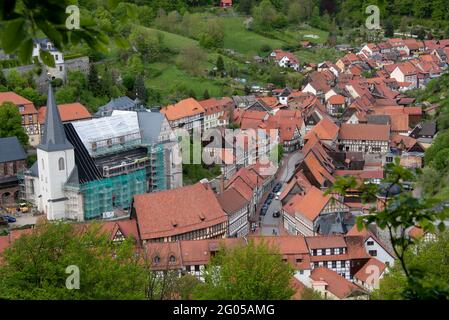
x,y
123,103
336,104
186,213
406,73
335,287
187,114
367,138
237,208
13,159
326,131
285,59
216,112
364,278
44,44
30,121
315,213
69,112
225,3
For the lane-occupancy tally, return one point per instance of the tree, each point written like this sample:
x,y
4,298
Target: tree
x,y
3,81
421,34
192,94
265,16
220,64
206,95
93,81
251,272
11,123
389,29
139,89
24,20
34,267
429,258
191,58
213,36
245,6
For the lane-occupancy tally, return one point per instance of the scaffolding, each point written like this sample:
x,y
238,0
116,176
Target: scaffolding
x,y
102,196
156,173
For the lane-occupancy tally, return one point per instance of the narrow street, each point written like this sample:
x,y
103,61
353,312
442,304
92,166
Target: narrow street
x,y
270,224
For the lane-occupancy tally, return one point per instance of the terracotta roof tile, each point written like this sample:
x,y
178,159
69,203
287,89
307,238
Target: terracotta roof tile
x,y
184,108
171,212
364,132
336,284
69,112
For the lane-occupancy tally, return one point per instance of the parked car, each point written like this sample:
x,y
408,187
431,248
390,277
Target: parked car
x,y
269,201
9,218
276,214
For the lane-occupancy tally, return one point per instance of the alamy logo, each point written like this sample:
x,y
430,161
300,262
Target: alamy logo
x,y
374,275
373,21
73,280
73,20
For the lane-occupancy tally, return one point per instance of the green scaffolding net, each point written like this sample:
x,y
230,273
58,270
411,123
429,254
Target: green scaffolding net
x,y
102,196
156,172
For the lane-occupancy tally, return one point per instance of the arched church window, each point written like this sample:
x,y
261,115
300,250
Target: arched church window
x,y
61,164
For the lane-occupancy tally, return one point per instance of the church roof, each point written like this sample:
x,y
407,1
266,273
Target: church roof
x,y
54,138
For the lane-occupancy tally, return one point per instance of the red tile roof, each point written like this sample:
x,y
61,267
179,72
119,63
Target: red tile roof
x,y
184,108
325,130
232,201
336,284
14,98
172,212
373,132
69,112
367,270
309,206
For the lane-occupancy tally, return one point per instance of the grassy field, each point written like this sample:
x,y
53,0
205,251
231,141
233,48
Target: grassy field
x,y
169,77
238,38
318,55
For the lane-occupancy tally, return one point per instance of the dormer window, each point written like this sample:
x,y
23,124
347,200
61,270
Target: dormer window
x,y
156,259
21,108
172,259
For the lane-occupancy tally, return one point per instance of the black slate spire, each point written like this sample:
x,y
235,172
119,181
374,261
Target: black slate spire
x,y
54,138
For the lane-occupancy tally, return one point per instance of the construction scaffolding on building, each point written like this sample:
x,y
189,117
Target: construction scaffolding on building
x,y
156,173
102,196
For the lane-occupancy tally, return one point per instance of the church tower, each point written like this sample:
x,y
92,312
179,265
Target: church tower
x,y
56,160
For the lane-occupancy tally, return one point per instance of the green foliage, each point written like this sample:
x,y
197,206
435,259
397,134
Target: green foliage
x,y
11,123
213,36
24,20
397,213
428,261
34,266
265,16
206,95
140,90
251,272
220,64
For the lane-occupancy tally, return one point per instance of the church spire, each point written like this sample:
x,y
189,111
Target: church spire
x,y
54,138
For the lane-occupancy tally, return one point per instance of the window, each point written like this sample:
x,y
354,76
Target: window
x,y
172,259
156,259
334,264
61,164
370,243
197,268
373,253
43,167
